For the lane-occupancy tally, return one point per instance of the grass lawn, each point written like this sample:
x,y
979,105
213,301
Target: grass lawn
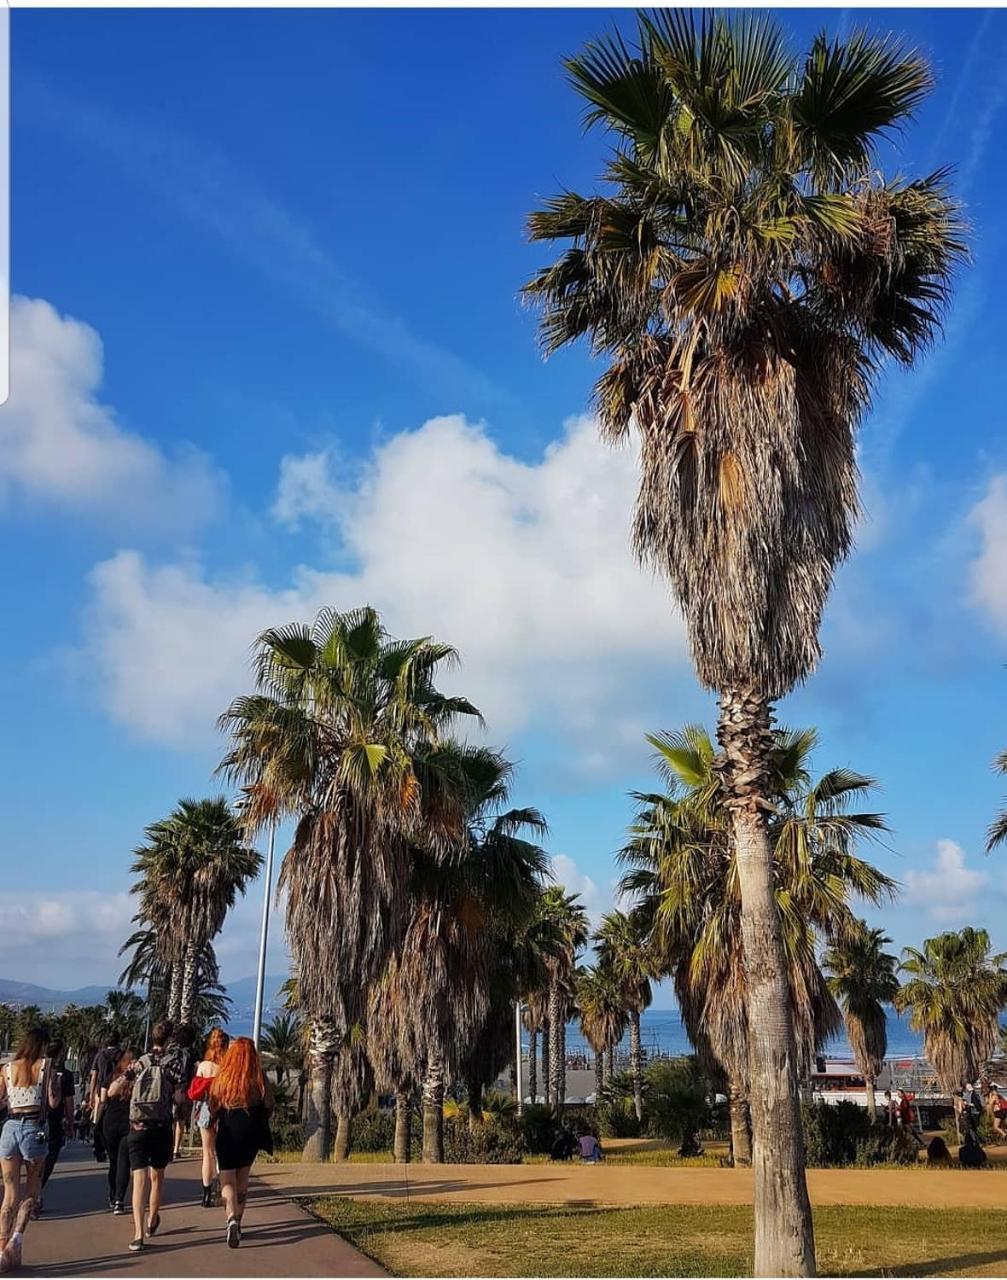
x,y
431,1239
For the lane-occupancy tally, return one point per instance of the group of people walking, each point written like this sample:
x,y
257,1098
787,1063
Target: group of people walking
x,y
141,1107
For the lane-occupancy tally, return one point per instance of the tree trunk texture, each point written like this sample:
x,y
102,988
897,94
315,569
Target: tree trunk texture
x,y
433,1112
872,1102
609,1063
325,1040
187,999
546,1076
784,1236
175,992
533,1066
636,1062
741,1134
599,1074
344,1135
403,1144
557,1046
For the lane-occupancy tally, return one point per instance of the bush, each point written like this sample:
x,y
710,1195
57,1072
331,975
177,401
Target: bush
x,y
842,1134
538,1128
374,1130
617,1119
487,1143
678,1100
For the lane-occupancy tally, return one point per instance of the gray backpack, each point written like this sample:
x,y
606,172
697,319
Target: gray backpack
x,y
152,1092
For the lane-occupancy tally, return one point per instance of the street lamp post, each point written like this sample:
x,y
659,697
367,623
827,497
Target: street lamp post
x,y
517,1037
260,980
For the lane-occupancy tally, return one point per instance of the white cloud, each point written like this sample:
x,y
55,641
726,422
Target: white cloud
x,y
64,935
306,490
61,446
525,567
950,893
989,569
594,901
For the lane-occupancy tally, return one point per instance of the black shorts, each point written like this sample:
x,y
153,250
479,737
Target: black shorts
x,y
182,1111
150,1147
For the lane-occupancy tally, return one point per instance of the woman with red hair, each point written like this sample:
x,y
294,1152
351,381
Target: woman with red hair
x,y
240,1103
199,1092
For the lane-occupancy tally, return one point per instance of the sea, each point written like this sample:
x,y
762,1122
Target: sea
x,y
662,1033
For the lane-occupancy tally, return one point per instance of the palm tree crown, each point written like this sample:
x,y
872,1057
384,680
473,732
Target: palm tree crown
x,y
862,978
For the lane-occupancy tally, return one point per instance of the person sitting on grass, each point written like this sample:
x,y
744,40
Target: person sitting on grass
x,y
938,1155
563,1146
590,1149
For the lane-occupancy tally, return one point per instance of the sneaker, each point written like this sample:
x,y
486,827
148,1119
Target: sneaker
x,y
111,1202
233,1234
136,1246
118,1208
10,1259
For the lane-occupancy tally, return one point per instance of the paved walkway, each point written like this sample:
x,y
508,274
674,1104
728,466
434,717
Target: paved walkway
x,y
631,1184
77,1235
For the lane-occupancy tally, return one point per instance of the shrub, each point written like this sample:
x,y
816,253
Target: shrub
x,y
678,1100
841,1133
374,1130
617,1119
539,1129
487,1143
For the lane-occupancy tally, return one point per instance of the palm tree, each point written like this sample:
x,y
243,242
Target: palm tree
x,y
352,1087
332,738
997,834
603,1016
745,275
955,989
283,1045
623,945
565,914
440,982
683,875
862,978
191,870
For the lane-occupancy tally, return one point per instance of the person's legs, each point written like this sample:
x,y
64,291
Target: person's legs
x,y
55,1147
154,1209
11,1196
33,1179
229,1193
241,1188
120,1188
139,1200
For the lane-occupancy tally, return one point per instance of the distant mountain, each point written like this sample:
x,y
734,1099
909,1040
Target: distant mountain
x,y
47,998
242,992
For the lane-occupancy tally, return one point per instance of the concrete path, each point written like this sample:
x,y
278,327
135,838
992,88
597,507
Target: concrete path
x,y
76,1235
614,1184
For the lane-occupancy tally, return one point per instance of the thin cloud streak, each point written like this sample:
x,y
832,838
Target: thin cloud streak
x,y
204,184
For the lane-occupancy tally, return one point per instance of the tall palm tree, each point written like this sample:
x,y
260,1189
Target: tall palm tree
x,y
683,875
333,738
352,1087
745,275
624,945
536,1020
565,914
601,1008
441,979
191,870
954,991
862,978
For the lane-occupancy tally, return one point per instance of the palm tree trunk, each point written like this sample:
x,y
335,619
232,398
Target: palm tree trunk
x,y
784,1234
609,1063
433,1111
344,1134
533,1065
599,1074
741,1137
636,1062
557,1047
175,992
318,1098
187,998
546,1073
872,1102
402,1138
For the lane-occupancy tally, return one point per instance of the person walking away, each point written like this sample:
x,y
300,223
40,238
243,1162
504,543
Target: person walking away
x,y
183,1066
199,1091
29,1085
98,1081
149,1140
115,1123
240,1104
60,1118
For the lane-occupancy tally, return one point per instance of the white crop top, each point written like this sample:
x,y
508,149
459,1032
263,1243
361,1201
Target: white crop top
x,y
25,1097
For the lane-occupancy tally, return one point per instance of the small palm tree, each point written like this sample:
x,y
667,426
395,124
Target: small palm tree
x,y
333,737
565,915
603,1016
862,978
283,1045
954,991
623,943
745,274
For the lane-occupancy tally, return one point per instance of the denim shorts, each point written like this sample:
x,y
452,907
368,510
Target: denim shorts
x,y
203,1117
24,1136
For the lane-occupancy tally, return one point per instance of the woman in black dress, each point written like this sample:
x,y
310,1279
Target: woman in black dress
x,y
240,1103
115,1129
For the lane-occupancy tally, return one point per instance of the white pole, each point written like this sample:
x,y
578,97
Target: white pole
x,y
517,1034
260,980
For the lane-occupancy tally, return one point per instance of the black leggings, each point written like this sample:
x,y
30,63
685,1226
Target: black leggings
x,y
115,1135
55,1147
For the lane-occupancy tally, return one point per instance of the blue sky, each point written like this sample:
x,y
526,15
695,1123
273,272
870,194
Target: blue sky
x,y
268,354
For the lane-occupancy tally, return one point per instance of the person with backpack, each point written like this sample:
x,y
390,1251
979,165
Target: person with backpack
x,y
149,1142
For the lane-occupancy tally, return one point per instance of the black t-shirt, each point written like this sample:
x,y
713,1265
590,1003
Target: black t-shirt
x,y
67,1088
